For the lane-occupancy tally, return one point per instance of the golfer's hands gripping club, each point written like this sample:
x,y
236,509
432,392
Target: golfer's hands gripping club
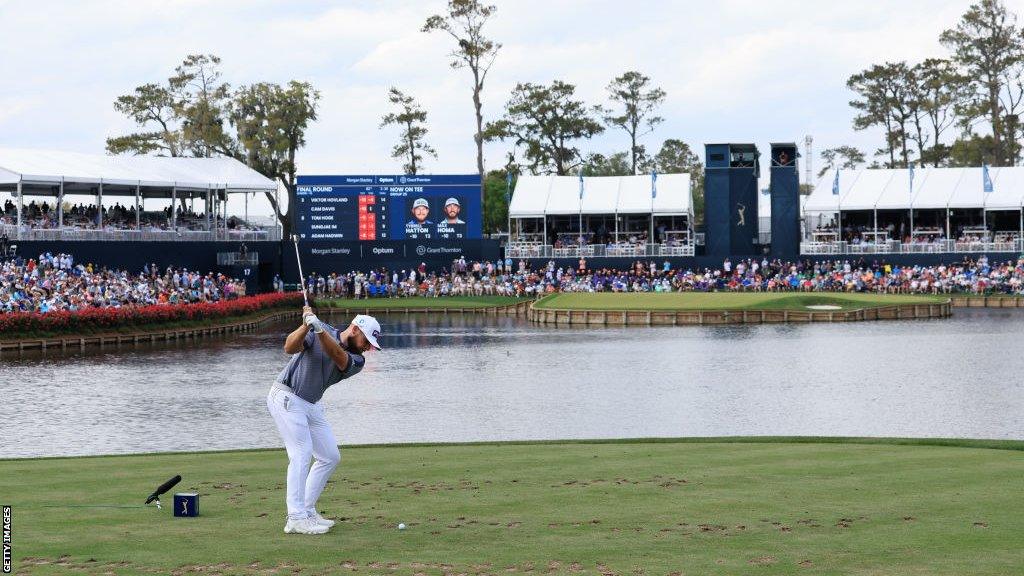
x,y
313,322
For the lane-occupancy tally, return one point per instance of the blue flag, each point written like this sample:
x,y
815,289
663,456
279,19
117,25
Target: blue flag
x,y
986,180
911,167
508,187
654,184
835,185
581,184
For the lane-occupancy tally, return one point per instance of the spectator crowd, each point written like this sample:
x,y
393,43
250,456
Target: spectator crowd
x,y
55,282
749,275
117,217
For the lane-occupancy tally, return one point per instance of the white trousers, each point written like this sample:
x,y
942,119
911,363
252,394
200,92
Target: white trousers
x,y
307,435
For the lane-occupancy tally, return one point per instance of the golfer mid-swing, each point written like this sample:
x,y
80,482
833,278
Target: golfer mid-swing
x,y
321,356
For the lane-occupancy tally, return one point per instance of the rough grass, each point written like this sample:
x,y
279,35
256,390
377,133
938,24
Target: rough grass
x,y
419,302
725,300
710,507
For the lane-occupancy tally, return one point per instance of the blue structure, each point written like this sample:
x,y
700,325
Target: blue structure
x,y
730,199
785,197
186,504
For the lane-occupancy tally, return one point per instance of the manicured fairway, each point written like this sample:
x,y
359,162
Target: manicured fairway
x,y
725,301
591,508
419,302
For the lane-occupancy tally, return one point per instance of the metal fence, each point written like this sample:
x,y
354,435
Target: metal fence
x,y
897,247
537,250
237,259
27,233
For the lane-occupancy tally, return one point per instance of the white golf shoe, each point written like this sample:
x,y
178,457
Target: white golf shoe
x,y
304,526
318,519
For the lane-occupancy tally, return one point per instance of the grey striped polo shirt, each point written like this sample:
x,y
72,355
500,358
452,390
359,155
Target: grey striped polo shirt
x,y
311,372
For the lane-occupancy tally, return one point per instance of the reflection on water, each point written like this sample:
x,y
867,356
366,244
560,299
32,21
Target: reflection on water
x,y
487,378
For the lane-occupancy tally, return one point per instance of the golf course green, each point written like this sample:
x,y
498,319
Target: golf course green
x,y
726,300
711,506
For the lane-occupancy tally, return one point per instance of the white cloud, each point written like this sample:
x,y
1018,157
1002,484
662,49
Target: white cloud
x,y
734,70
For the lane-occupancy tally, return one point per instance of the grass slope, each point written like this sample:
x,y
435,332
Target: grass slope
x,y
724,300
600,508
419,302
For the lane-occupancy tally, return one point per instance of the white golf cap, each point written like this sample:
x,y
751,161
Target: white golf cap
x,y
370,328
420,202
452,201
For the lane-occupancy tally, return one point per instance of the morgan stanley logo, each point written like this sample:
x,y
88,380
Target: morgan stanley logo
x,y
421,250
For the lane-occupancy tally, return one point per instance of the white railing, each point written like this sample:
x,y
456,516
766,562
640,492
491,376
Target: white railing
x,y
535,250
896,247
237,258
180,235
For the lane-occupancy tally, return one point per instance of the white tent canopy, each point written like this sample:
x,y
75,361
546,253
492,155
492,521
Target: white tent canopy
x,y
530,197
539,196
933,189
40,171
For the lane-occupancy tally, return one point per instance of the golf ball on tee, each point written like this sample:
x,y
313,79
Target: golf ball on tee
x,y
401,526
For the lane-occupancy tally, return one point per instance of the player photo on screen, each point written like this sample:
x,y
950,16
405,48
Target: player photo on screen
x,y
417,226
451,225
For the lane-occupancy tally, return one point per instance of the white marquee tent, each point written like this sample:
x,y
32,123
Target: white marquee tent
x,y
933,188
42,170
937,189
540,196
25,172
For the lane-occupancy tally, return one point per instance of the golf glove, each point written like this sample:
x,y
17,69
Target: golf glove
x,y
313,322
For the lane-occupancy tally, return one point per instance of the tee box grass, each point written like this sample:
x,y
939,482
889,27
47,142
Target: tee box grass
x,y
719,506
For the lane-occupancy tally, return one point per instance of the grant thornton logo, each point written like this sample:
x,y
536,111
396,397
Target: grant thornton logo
x,y
421,250
402,179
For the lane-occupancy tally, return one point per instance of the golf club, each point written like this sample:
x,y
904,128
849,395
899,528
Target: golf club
x,y
302,279
163,488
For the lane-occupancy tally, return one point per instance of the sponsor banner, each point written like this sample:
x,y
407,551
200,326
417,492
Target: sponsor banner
x,y
345,256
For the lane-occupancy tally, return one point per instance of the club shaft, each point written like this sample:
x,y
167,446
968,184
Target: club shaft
x,y
302,278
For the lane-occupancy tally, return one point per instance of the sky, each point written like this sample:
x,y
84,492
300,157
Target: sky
x,y
733,70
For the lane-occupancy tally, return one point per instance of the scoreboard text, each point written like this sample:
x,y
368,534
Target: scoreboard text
x,y
371,208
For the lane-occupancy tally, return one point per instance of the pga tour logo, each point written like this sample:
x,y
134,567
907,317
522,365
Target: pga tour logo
x,y
421,250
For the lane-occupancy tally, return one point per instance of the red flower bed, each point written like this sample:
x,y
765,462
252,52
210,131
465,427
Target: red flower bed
x,y
109,319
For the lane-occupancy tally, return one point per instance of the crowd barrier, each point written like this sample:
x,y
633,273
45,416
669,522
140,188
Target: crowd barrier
x,y
533,250
897,247
180,235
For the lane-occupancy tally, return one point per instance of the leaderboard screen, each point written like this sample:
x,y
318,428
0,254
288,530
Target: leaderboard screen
x,y
371,208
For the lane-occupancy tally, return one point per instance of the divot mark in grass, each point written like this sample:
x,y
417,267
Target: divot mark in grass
x,y
761,560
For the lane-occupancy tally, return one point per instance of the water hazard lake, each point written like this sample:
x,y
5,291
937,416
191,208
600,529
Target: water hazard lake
x,y
478,378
